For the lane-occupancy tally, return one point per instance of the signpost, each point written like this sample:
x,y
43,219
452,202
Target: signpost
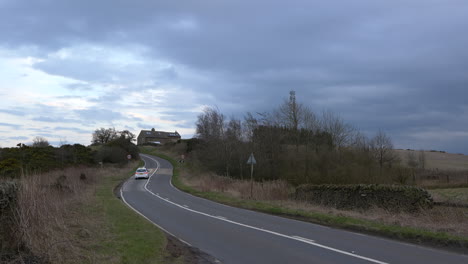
x,y
251,161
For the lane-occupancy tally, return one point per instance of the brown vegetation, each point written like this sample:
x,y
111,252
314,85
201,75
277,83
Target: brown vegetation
x,y
48,222
51,224
438,160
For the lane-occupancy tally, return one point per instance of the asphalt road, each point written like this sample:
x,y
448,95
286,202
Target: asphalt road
x,y
233,235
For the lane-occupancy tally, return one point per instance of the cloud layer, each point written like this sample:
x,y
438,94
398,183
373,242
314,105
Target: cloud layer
x,y
395,65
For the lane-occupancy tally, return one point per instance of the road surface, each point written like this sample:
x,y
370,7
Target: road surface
x,y
233,235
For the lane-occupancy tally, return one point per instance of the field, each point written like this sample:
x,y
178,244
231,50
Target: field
x,y
438,160
452,195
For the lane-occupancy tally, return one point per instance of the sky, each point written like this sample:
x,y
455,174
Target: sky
x,y
69,67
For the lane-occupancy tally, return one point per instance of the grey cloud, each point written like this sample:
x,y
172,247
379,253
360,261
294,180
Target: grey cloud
x,y
54,119
13,112
73,129
14,126
94,114
18,138
79,86
47,135
251,56
69,97
98,114
107,98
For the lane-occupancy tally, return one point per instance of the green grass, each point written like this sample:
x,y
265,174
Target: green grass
x,y
129,237
362,225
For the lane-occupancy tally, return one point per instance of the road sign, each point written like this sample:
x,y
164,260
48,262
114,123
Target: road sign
x,y
251,159
129,156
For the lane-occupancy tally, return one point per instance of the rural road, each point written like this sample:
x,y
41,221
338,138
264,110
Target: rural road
x,y
233,235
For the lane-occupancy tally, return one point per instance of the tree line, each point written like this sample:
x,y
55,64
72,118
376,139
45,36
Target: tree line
x,y
108,146
294,144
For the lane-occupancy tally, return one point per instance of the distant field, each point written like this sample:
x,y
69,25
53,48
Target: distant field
x,y
454,195
438,160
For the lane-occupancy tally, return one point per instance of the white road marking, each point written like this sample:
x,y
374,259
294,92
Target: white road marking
x,y
304,240
138,212
186,206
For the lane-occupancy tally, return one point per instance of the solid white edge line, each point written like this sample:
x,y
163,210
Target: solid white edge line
x,y
138,212
304,240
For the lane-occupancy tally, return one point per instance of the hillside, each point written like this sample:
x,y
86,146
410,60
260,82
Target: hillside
x,y
438,160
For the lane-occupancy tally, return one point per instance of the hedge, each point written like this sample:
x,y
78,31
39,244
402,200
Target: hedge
x,y
390,197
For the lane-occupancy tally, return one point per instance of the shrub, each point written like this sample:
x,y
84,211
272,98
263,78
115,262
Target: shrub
x,y
7,194
390,197
8,198
10,167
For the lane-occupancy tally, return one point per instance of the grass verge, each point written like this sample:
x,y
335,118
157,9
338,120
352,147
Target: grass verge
x,y
411,234
131,238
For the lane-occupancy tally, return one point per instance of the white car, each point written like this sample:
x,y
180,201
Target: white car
x,y
141,173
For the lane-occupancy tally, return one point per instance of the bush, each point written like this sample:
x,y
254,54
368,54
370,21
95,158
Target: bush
x,y
112,154
7,194
116,151
390,197
8,197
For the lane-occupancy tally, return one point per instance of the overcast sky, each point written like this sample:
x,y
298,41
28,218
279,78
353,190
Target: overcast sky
x,y
69,67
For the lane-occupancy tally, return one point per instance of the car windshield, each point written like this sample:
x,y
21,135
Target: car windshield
x,y
141,170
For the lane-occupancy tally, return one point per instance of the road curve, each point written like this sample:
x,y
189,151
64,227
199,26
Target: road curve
x,y
234,235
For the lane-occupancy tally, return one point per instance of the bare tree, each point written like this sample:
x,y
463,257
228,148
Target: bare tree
x,y
381,147
249,125
40,142
290,113
210,124
104,135
340,132
234,144
211,130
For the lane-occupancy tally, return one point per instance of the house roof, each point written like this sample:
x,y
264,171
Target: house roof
x,y
159,134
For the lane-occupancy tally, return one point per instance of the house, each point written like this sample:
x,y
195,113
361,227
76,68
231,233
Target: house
x,y
157,137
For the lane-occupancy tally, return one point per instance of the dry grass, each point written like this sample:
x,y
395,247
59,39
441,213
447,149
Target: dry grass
x,y
74,220
438,219
438,160
446,219
48,219
271,190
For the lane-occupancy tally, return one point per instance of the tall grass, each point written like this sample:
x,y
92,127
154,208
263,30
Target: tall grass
x,y
46,212
268,190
